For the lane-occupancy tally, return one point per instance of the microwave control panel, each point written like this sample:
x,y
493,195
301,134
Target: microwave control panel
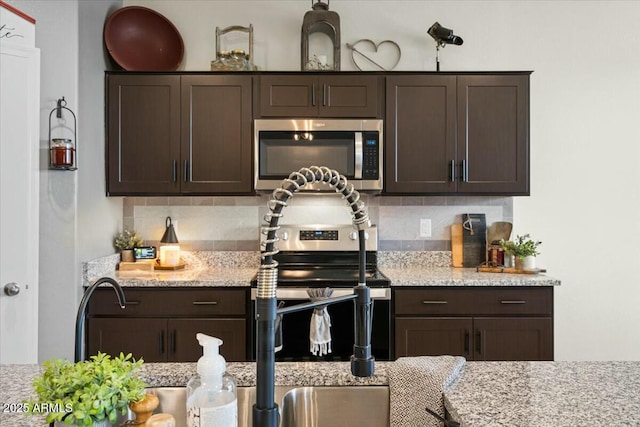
x,y
370,159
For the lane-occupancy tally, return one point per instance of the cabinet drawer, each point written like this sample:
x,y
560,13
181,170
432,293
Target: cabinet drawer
x,y
474,301
200,302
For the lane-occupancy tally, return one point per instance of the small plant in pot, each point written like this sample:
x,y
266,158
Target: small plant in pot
x,y
524,249
93,392
125,242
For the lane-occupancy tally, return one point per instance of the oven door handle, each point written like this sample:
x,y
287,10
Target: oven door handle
x,y
357,173
284,294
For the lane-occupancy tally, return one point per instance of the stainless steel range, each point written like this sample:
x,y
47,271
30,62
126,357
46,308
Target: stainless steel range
x,y
321,256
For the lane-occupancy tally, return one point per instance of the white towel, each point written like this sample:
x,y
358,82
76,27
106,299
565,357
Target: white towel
x,y
416,383
320,327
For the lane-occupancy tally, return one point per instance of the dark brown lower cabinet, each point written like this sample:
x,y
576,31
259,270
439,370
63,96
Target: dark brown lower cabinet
x,y
165,340
160,325
478,324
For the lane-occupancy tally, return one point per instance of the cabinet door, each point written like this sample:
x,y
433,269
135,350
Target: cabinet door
x,y
184,347
143,134
493,134
288,96
216,134
514,338
348,96
420,148
433,336
143,338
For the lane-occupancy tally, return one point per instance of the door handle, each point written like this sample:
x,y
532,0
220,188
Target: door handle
x,y
11,289
513,302
467,341
172,342
205,303
434,302
452,170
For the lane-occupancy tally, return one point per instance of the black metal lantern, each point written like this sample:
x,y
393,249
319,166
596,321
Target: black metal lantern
x,y
320,20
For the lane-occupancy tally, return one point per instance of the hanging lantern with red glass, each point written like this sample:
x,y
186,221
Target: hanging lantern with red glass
x,y
62,149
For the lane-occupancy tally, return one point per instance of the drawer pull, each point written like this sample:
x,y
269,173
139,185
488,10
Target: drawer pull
x,y
517,301
205,303
434,302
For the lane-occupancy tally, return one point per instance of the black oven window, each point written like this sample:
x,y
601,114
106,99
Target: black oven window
x,y
284,152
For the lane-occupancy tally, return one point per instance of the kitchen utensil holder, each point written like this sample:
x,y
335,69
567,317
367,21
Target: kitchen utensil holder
x,y
63,154
240,28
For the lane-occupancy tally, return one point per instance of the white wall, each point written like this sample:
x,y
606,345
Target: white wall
x,y
585,141
77,222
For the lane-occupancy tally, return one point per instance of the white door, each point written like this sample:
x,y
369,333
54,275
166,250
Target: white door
x,y
19,181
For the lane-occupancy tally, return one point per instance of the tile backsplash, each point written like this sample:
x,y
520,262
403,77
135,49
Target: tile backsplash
x,y
232,223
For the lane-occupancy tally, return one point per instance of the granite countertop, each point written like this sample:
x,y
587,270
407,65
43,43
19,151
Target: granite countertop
x,y
522,394
449,276
236,269
546,394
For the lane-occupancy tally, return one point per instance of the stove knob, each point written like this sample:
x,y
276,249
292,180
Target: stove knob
x,y
284,235
354,235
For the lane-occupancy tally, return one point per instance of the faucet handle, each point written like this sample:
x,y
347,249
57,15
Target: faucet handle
x,y
354,235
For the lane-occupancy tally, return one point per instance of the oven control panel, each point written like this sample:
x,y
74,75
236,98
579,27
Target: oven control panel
x,y
323,237
318,234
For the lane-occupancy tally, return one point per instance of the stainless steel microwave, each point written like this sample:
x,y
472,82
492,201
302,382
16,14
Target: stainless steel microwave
x,y
352,147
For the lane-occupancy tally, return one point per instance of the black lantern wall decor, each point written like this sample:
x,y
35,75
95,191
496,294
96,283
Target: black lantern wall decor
x,y
62,151
320,20
443,36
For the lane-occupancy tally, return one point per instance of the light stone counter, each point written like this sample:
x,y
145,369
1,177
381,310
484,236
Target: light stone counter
x,y
449,276
546,394
515,394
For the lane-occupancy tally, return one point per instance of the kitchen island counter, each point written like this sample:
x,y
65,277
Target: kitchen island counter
x,y
521,394
546,394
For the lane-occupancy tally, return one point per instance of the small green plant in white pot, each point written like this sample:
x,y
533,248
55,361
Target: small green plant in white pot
x,y
89,393
125,242
524,249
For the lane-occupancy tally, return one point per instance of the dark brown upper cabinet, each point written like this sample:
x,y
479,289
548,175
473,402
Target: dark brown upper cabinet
x,y
173,134
457,134
319,95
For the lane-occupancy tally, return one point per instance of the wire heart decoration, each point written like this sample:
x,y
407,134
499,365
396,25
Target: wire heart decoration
x,y
376,48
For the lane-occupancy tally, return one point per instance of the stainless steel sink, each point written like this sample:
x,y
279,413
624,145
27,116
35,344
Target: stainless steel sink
x,y
299,406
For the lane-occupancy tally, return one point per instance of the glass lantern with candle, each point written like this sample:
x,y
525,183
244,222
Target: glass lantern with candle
x,y
169,248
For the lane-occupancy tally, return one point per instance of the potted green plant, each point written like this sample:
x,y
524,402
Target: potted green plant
x,y
94,392
524,249
125,242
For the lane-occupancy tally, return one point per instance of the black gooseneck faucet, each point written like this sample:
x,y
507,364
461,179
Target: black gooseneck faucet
x,y
82,311
265,411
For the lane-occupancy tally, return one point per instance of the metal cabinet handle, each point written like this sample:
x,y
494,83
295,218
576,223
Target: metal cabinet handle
x,y
452,171
467,341
313,94
175,171
186,170
172,342
434,302
465,171
513,302
205,303
127,303
161,342
324,95
479,341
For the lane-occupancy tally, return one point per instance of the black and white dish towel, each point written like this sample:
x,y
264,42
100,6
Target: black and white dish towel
x,y
320,327
416,383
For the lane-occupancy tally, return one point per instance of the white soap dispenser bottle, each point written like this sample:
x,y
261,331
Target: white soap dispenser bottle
x,y
211,394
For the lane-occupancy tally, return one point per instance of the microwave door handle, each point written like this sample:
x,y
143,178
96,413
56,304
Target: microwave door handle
x,y
357,173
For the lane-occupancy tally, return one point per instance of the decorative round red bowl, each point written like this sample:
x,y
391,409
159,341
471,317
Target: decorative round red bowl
x,y
141,39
